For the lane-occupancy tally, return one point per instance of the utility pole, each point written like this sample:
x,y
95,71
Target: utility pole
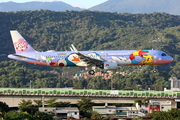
x,y
43,102
30,84
111,84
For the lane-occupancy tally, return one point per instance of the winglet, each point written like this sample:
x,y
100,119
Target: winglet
x,y
74,49
71,49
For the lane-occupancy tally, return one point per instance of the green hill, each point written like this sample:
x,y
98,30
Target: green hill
x,y
87,30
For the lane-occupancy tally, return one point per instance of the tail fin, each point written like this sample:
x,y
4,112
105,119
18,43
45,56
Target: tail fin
x,y
20,44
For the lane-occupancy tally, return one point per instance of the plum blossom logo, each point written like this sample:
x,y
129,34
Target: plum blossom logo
x,y
21,45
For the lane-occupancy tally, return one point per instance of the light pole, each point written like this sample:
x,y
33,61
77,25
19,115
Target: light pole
x,y
30,84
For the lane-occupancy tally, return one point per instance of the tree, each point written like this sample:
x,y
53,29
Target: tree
x,y
3,108
12,115
85,106
38,103
137,101
96,116
164,115
145,100
137,118
63,104
52,103
141,101
27,106
42,116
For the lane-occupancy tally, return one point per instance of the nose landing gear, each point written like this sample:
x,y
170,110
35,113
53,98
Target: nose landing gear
x,y
154,69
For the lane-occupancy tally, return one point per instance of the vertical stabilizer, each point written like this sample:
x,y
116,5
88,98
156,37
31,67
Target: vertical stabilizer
x,y
20,44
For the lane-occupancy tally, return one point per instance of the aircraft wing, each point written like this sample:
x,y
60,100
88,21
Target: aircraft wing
x,y
87,59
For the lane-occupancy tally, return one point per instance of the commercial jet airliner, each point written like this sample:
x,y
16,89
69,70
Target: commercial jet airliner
x,y
103,59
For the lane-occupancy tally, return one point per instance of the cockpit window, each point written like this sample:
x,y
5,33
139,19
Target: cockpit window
x,y
163,54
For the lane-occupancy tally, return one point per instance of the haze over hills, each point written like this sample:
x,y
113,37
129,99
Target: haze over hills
x,y
55,6
140,6
129,6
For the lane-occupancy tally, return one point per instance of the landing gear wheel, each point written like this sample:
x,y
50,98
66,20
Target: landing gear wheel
x,y
91,72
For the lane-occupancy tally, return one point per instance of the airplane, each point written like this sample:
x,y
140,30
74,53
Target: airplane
x,y
103,59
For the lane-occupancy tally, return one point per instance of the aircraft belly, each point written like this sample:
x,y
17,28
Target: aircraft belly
x,y
37,63
82,64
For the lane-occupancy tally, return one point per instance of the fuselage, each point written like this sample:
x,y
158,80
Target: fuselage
x,y
70,58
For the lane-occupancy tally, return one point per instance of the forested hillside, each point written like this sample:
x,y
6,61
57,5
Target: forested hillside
x,y
87,30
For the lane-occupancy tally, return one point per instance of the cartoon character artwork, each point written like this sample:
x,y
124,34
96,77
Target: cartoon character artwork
x,y
76,58
72,59
95,55
62,62
121,60
141,57
21,45
148,59
48,59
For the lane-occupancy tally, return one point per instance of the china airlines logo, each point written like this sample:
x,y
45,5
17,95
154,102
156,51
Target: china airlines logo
x,y
21,45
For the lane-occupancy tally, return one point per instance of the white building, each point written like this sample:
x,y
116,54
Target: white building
x,y
142,108
64,112
165,106
118,111
105,110
175,84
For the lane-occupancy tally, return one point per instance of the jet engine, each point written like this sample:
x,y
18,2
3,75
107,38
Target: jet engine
x,y
109,66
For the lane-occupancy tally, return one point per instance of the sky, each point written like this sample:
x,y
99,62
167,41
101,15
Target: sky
x,y
75,3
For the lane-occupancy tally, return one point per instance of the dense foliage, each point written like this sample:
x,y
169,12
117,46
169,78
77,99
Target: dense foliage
x,y
164,115
3,108
85,106
87,30
12,115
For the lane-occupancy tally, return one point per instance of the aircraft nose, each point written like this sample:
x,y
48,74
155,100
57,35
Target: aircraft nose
x,y
170,60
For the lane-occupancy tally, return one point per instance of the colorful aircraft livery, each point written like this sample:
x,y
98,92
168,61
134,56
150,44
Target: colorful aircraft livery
x,y
103,59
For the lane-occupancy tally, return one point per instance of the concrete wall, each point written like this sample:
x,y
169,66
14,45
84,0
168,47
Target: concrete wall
x,y
13,100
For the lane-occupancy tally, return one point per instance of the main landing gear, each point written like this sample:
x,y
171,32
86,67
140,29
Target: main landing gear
x,y
91,72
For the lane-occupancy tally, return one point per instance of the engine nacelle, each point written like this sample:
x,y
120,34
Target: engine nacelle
x,y
110,65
